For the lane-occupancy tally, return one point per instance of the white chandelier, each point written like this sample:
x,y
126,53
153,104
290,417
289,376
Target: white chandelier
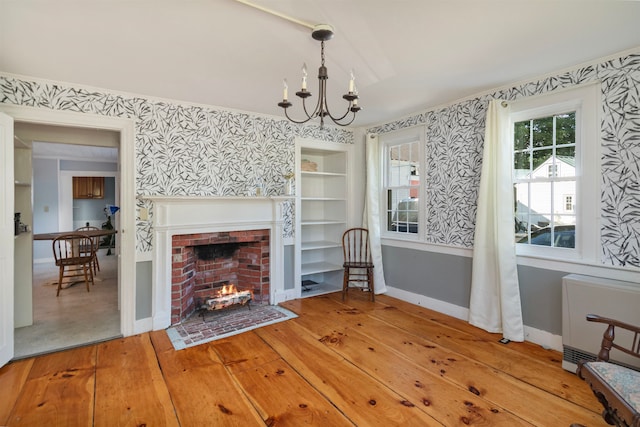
x,y
322,33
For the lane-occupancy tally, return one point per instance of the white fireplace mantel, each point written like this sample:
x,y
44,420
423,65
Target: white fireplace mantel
x,y
175,215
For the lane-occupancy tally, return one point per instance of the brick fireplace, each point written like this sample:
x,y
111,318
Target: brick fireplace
x,y
197,221
202,263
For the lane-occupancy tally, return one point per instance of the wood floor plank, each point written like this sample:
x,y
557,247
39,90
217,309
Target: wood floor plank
x,y
12,379
58,391
503,390
201,389
527,368
282,395
130,389
360,397
553,358
440,398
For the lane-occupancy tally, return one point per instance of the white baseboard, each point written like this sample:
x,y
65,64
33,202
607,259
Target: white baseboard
x,y
430,303
536,336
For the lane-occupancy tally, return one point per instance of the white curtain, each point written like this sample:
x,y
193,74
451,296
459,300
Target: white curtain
x,y
495,293
371,216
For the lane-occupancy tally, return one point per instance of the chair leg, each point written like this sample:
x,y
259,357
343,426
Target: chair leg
x,y
86,276
345,282
60,275
370,283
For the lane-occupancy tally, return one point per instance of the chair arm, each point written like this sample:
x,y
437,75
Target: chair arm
x,y
609,336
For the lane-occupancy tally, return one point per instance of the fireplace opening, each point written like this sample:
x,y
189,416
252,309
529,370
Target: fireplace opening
x,y
214,271
209,252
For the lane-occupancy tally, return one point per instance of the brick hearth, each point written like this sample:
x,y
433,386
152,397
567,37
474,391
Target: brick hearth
x,y
246,266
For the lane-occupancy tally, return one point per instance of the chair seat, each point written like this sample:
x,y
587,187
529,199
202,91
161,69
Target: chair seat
x,y
79,260
623,381
358,265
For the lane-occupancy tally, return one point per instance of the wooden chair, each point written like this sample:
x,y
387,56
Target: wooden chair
x,y
96,246
71,260
615,386
358,266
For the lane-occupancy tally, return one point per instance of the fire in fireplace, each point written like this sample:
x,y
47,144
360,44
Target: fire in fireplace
x,y
218,270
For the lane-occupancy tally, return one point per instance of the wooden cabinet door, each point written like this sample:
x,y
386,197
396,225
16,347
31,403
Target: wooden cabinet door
x,y
88,187
80,187
97,187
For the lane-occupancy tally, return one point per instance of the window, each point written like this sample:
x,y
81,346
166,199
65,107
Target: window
x,y
402,171
555,174
540,145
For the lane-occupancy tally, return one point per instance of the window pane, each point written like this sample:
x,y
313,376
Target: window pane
x,y
566,128
564,232
404,165
521,165
541,161
521,135
402,215
542,132
566,157
564,191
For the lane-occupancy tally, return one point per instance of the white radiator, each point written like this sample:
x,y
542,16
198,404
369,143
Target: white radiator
x,y
582,295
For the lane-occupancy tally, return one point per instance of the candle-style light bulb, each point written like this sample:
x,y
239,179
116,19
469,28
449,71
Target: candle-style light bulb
x,y
304,76
285,90
351,82
355,92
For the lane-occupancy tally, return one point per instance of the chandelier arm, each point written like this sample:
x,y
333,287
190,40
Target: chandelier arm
x,y
315,110
336,120
295,121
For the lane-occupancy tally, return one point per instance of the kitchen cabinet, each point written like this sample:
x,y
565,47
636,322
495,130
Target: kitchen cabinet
x,y
88,187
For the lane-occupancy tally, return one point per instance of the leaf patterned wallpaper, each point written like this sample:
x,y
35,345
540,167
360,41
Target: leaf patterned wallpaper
x,y
454,140
186,150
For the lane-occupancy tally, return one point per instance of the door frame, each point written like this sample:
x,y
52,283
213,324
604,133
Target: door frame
x,y
7,245
126,224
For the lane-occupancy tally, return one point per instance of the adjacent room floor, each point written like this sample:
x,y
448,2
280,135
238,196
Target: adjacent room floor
x,y
76,317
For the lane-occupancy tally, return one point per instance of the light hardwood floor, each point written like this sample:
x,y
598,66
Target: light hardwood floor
x,y
338,364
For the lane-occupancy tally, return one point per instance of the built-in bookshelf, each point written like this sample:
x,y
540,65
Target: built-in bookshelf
x,y
321,217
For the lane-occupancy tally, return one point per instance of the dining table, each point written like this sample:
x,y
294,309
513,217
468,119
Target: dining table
x,y
89,233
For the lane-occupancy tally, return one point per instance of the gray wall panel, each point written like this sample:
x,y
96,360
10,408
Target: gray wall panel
x,y
143,290
448,278
439,276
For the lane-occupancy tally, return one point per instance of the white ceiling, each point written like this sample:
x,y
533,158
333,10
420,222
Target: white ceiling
x,y
408,55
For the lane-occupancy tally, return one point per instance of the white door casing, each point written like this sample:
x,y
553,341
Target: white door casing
x,y
6,238
126,224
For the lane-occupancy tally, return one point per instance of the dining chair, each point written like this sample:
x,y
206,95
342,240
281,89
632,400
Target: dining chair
x,y
96,246
616,387
358,266
73,263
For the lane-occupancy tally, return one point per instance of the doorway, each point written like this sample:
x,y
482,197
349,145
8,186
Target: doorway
x,y
76,317
126,259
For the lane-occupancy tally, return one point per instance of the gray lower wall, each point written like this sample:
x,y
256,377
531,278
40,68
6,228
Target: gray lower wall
x,y
448,278
143,290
